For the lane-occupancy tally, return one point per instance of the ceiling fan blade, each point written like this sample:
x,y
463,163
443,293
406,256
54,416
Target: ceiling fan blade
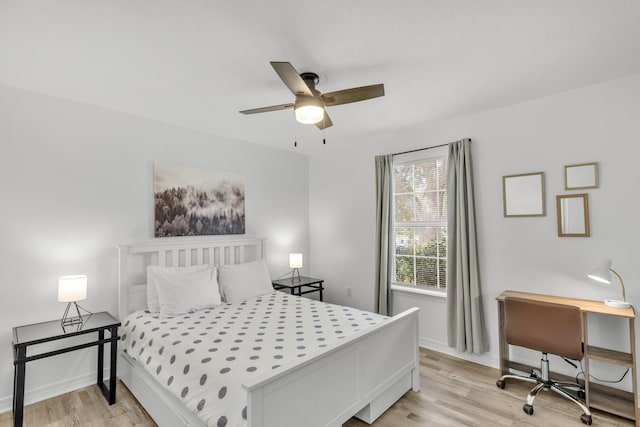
x,y
267,109
325,122
355,94
291,78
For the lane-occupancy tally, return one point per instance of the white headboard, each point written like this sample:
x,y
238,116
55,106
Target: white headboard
x,y
176,252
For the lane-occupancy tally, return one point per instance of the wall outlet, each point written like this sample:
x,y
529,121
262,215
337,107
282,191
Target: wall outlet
x,y
348,292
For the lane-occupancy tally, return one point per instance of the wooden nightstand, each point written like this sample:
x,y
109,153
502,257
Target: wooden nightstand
x,y
295,285
38,333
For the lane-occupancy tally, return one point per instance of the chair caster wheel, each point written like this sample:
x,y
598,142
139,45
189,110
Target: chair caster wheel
x,y
586,419
500,383
528,409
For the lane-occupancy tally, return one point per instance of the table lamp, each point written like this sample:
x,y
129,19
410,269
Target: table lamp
x,y
295,263
72,289
602,274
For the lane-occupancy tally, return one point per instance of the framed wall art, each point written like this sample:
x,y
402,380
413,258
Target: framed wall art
x,y
191,201
581,176
523,195
573,215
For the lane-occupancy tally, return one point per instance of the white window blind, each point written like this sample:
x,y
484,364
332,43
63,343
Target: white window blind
x,y
420,219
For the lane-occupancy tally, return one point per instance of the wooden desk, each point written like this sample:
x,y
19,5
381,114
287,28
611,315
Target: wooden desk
x,y
608,399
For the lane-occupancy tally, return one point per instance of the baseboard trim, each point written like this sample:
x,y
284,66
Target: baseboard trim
x,y
51,390
441,347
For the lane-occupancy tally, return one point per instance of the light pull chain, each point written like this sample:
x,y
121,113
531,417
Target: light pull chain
x,y
295,131
324,140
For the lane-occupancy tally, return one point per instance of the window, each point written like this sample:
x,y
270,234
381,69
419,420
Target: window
x,y
420,219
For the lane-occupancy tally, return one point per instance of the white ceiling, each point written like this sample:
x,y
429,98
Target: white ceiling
x,y
197,62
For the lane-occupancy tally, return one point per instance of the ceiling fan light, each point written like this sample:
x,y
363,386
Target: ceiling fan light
x,y
309,110
309,114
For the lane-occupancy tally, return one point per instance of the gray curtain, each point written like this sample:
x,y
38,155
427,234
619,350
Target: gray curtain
x,y
465,320
383,229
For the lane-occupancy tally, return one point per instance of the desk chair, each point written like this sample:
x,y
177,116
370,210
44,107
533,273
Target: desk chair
x,y
548,328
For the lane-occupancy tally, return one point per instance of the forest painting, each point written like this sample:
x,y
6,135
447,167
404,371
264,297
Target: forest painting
x,y
193,202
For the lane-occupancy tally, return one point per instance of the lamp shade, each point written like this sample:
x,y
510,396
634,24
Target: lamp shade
x,y
602,273
295,260
308,109
72,288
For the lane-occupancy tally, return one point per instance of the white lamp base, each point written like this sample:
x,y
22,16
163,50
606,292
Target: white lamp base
x,y
616,303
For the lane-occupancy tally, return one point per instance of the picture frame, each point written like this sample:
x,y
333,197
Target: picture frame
x,y
523,195
581,176
573,215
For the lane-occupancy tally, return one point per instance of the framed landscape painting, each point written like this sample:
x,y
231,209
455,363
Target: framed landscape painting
x,y
193,201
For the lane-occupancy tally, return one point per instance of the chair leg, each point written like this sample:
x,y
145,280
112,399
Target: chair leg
x,y
534,392
586,417
543,382
528,407
501,383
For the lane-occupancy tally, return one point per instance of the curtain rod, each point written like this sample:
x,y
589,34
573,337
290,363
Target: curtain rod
x,y
419,149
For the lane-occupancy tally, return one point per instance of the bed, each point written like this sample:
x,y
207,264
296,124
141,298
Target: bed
x,y
362,373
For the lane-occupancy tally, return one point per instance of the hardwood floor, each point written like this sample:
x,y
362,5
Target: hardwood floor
x,y
84,407
453,392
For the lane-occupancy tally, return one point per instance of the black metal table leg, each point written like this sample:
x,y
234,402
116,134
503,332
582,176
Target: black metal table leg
x,y
15,381
18,392
100,359
109,393
114,362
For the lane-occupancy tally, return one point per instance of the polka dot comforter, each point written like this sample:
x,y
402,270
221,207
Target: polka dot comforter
x,y
204,357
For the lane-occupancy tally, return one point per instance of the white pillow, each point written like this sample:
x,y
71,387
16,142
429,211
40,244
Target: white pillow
x,y
241,281
192,292
172,274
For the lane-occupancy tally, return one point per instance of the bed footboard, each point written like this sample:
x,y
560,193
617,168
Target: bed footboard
x,y
364,376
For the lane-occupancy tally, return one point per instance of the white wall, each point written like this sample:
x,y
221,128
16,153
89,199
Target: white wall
x,y
598,123
77,180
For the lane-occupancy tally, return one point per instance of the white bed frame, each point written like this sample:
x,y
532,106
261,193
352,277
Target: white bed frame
x,y
363,375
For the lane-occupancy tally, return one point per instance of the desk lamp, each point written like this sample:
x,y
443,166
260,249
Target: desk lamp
x,y
295,263
602,274
72,289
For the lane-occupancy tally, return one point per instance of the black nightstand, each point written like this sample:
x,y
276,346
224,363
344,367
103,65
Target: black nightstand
x,y
38,333
295,285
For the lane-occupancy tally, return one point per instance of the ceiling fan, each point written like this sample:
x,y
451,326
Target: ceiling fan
x,y
310,104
